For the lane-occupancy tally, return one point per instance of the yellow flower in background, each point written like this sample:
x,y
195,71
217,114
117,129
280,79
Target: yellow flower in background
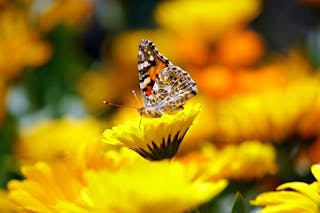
x,y
94,87
154,138
20,42
205,19
56,140
271,115
160,186
130,40
292,197
69,12
5,205
247,161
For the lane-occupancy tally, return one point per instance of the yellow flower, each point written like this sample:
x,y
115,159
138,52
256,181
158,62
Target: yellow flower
x,y
270,115
206,19
57,139
17,34
246,161
154,138
299,196
160,186
152,187
45,186
129,41
5,205
69,12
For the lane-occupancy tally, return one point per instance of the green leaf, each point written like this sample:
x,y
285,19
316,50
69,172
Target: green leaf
x,y
238,204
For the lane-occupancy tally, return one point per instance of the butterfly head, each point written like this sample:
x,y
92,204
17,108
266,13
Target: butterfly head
x,y
150,112
141,111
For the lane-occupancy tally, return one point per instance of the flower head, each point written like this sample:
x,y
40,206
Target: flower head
x,y
292,197
154,138
171,189
160,186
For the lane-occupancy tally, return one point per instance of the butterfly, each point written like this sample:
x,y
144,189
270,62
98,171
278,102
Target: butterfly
x,y
164,87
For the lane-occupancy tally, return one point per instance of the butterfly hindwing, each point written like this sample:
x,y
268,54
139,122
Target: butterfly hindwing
x,y
172,89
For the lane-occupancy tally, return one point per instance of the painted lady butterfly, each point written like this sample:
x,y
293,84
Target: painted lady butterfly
x,y
164,87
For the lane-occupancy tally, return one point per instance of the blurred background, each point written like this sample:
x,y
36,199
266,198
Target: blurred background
x,y
255,62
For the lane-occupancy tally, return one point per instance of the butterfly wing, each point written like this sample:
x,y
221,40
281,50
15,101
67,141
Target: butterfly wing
x,y
150,64
172,89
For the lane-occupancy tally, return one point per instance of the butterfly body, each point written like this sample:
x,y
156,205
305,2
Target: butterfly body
x,y
164,87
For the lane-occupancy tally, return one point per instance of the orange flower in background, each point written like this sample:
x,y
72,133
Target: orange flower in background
x,y
222,82
234,48
309,126
57,140
68,12
194,45
207,23
239,48
20,45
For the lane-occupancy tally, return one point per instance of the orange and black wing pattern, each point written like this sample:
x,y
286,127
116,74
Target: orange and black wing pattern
x,y
150,64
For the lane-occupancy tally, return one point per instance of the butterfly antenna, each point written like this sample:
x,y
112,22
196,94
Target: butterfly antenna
x,y
136,97
118,105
